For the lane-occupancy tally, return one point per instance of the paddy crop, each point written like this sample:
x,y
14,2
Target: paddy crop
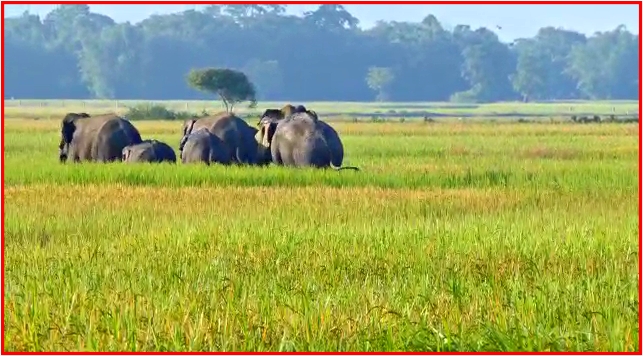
x,y
454,236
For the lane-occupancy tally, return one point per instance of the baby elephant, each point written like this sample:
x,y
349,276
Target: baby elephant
x,y
149,151
202,146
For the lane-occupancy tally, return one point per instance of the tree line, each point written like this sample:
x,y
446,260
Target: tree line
x,y
322,55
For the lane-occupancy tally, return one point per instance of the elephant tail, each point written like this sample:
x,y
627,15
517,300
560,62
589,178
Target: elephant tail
x,y
353,168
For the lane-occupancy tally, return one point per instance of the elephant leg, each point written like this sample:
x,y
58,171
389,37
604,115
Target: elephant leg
x,y
337,154
207,155
221,156
108,148
276,154
247,152
289,157
251,156
81,151
100,149
241,155
73,154
315,153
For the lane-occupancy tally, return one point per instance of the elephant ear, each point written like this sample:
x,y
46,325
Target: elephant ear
x,y
187,130
69,127
266,133
288,110
270,131
187,126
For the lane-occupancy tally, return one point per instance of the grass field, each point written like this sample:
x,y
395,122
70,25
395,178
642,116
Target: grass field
x,y
48,109
454,236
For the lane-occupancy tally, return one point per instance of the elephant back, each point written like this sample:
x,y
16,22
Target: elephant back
x,y
201,145
195,146
163,151
307,124
234,132
142,152
103,137
150,151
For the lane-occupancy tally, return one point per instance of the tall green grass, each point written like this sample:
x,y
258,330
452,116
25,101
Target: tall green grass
x,y
453,237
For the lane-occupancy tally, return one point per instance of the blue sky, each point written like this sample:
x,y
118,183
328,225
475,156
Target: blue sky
x,y
515,20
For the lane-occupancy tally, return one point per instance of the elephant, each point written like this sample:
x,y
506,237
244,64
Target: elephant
x,y
149,151
300,140
98,138
330,134
202,146
235,133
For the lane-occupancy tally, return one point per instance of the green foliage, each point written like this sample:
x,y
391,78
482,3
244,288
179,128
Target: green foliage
x,y
378,79
606,67
542,69
468,96
80,54
156,112
267,77
230,85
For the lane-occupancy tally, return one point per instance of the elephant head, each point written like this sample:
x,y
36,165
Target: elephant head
x,y
264,140
127,151
270,115
68,128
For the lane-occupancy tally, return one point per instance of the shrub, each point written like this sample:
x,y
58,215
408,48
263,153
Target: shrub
x,y
156,112
464,97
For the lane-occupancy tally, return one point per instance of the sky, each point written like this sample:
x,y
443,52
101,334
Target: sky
x,y
515,20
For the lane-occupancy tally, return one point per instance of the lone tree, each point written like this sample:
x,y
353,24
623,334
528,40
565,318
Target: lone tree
x,y
230,85
378,79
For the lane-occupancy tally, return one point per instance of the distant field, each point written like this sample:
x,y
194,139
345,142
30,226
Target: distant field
x,y
455,236
54,108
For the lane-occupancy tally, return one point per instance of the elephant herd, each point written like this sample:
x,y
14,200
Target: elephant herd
x,y
291,136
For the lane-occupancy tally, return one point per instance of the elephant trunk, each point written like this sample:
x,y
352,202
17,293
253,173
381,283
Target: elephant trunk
x,y
63,152
125,154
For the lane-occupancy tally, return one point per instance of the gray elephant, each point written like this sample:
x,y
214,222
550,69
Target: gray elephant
x,y
235,133
330,134
152,151
202,146
300,140
95,138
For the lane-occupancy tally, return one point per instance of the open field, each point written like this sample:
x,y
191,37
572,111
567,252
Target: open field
x,y
336,111
454,236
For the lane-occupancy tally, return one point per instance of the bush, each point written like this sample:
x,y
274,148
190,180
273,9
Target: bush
x,y
467,97
156,112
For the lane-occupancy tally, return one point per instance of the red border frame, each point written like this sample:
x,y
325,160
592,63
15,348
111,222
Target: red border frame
x,y
465,2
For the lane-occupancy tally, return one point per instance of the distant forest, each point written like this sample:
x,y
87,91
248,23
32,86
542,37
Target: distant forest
x,y
323,55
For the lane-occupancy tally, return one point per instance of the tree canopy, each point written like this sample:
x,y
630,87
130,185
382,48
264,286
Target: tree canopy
x,y
231,86
320,55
